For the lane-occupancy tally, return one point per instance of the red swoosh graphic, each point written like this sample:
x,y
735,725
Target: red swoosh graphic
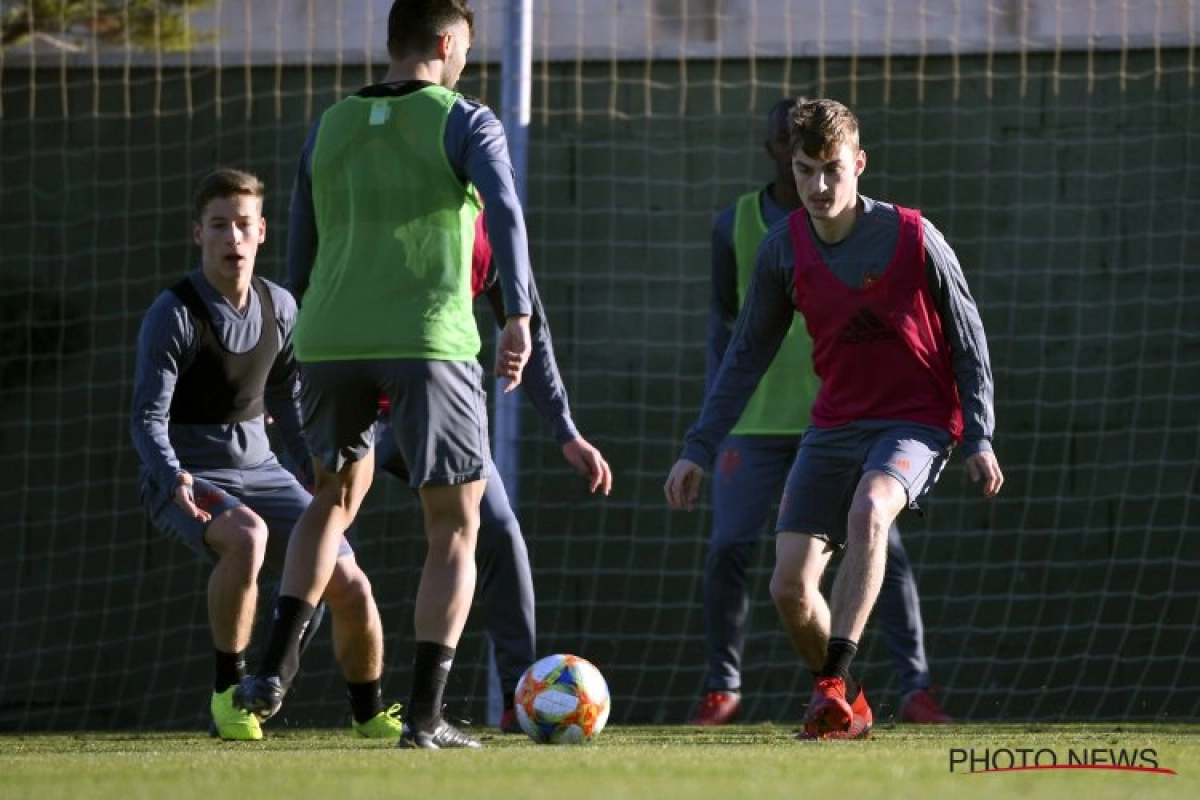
x,y
1156,770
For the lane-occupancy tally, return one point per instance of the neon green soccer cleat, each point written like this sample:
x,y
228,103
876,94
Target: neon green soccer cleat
x,y
232,723
384,725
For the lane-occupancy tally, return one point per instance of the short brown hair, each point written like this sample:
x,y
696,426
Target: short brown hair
x,y
414,25
820,127
224,182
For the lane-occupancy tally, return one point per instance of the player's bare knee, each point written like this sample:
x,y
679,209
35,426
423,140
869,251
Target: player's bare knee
x,y
867,524
788,591
449,527
349,593
342,492
239,539
452,544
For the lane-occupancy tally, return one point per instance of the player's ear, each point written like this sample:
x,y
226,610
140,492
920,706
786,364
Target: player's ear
x,y
445,45
196,232
262,229
860,163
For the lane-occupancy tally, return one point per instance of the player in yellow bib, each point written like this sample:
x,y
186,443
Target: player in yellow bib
x,y
385,197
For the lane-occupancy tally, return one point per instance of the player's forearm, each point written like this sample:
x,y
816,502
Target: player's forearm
x,y
544,388
735,382
974,380
723,406
149,422
487,165
151,441
761,327
972,372
962,328
163,342
542,380
510,251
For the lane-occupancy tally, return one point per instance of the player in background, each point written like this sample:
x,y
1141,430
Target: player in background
x,y
214,357
506,593
753,461
385,195
901,354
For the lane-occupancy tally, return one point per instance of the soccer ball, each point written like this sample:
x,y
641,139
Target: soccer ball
x,y
562,699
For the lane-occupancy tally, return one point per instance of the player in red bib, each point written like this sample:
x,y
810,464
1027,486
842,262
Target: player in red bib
x,y
905,376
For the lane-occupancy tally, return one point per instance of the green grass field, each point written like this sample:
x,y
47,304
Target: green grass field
x,y
743,762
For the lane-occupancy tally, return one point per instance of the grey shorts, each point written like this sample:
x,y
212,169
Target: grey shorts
x,y
438,411
270,491
832,461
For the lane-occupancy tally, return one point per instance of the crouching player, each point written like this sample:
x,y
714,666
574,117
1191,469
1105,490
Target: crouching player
x,y
214,358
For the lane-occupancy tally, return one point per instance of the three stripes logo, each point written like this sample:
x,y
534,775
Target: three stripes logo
x,y
864,327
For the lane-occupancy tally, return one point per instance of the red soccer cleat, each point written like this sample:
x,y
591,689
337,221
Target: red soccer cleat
x,y
508,721
860,723
828,712
717,708
922,708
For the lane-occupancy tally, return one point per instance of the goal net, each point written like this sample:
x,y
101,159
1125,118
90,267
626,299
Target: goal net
x,y
1053,141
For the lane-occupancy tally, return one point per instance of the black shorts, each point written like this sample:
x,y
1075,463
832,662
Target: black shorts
x,y
438,412
832,461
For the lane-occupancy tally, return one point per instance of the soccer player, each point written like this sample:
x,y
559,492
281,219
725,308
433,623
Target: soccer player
x,y
214,355
901,354
505,578
385,195
753,461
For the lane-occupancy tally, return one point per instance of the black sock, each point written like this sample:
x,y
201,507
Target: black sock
x,y
431,668
366,699
838,656
282,657
229,669
509,700
852,685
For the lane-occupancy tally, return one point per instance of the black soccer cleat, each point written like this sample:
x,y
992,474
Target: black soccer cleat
x,y
444,736
262,697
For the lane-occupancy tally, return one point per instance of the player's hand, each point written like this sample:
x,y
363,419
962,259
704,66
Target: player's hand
x,y
983,466
185,499
588,462
512,350
683,484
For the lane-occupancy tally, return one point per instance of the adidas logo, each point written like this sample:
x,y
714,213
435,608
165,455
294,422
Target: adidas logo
x,y
865,327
